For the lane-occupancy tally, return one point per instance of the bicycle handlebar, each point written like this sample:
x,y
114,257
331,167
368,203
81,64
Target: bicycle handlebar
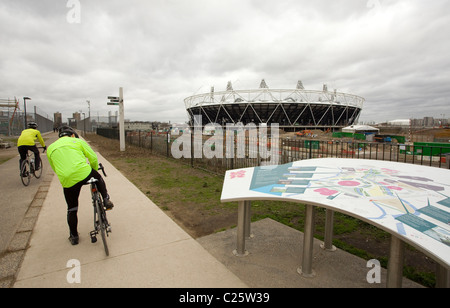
x,y
44,149
100,167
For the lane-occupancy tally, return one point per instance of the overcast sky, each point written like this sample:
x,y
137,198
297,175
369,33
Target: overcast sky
x,y
395,54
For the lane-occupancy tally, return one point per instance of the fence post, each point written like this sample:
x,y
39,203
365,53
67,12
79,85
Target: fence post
x,y
192,149
310,149
168,142
139,136
431,155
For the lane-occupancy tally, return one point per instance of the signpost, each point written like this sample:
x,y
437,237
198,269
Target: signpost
x,y
118,101
113,100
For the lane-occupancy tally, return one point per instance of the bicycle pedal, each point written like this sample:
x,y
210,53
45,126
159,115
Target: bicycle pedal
x,y
93,236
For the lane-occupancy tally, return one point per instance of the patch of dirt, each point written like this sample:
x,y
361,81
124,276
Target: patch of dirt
x,y
380,249
8,153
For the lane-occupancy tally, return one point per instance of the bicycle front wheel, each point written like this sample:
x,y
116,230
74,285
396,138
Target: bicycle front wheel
x,y
25,174
101,224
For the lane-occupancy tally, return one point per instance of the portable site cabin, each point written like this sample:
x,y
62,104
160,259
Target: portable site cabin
x,y
368,131
361,129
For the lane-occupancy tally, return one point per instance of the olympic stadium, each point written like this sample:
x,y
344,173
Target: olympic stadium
x,y
292,109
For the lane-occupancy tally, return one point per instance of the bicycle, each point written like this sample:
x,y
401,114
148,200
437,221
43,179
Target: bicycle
x,y
101,224
28,168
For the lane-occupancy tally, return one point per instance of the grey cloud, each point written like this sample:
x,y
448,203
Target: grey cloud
x,y
393,53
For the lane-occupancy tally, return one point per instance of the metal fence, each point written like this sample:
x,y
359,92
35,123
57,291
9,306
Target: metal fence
x,y
91,124
287,150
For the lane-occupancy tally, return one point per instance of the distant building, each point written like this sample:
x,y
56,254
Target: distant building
x,y
428,121
291,108
57,119
138,125
77,116
72,122
400,122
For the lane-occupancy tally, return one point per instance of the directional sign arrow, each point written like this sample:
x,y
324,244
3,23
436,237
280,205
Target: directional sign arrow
x,y
113,98
109,103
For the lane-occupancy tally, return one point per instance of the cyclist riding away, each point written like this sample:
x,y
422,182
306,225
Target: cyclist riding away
x,y
67,157
26,142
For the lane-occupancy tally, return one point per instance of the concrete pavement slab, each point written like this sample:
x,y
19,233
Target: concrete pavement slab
x,y
19,208
15,198
275,254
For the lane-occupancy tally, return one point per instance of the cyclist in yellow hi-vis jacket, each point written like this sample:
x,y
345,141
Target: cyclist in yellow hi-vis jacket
x,y
67,157
26,142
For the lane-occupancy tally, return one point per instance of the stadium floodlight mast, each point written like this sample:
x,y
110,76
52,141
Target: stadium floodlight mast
x,y
25,109
118,101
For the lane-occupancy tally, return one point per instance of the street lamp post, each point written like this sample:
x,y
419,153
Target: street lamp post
x,y
25,109
89,115
89,107
84,123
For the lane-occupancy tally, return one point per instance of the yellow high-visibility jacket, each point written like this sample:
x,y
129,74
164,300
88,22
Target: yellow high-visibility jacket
x,y
29,136
67,157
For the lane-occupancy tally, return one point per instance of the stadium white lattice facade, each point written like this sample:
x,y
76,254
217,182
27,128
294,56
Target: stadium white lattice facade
x,y
289,108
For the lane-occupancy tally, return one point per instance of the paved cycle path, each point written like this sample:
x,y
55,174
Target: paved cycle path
x,y
147,248
19,209
15,198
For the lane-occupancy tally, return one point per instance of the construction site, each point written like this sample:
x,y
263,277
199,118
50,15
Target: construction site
x,y
430,146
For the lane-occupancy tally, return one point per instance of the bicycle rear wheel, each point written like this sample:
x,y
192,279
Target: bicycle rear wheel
x,y
25,174
101,224
38,173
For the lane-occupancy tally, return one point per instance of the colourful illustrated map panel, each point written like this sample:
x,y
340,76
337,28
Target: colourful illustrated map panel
x,y
409,200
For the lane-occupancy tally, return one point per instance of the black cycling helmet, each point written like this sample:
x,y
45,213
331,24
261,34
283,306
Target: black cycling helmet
x,y
67,131
32,125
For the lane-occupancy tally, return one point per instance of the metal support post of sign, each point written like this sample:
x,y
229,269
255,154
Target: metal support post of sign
x,y
240,250
121,121
442,276
248,217
328,237
308,240
395,263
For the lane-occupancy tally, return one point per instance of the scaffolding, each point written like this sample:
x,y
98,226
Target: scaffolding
x,y
12,119
9,116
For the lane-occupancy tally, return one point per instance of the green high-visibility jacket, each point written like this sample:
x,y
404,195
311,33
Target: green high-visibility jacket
x,y
67,157
28,137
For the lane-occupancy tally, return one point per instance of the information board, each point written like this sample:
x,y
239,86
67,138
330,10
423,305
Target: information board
x,y
410,201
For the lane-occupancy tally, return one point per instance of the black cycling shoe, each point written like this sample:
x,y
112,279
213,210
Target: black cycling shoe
x,y
108,204
74,239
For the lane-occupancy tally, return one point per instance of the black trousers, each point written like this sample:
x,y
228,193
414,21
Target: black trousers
x,y
23,150
71,195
